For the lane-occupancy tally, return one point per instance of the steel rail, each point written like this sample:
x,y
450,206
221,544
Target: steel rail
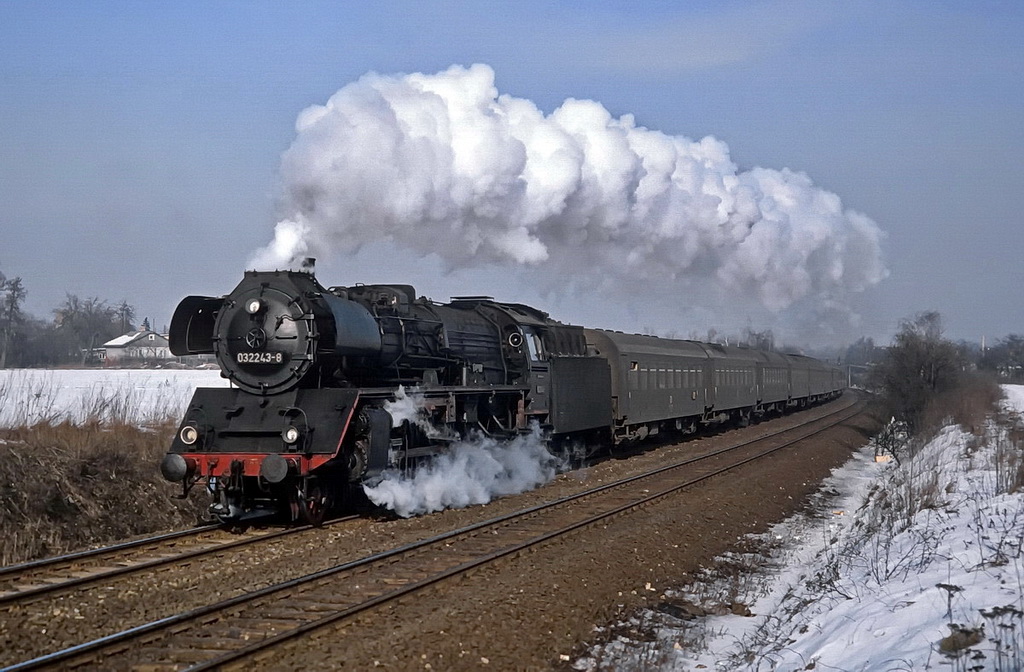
x,y
68,577
91,552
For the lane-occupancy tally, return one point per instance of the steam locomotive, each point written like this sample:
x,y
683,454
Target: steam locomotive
x,y
313,370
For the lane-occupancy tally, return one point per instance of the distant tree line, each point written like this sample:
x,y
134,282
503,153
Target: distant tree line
x,y
78,327
1006,358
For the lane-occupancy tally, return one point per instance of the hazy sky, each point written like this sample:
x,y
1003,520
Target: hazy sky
x,y
141,143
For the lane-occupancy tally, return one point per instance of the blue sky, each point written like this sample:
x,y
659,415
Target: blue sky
x,y
140,142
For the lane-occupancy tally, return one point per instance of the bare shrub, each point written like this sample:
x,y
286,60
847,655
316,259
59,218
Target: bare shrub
x,y
1008,460
1006,623
918,366
969,404
1009,453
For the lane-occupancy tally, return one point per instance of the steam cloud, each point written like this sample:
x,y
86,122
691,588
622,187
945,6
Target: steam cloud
x,y
442,164
472,471
409,406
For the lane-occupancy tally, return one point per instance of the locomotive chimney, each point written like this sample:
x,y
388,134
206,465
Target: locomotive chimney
x,y
307,264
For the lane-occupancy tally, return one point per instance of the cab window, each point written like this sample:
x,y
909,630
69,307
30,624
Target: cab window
x,y
535,345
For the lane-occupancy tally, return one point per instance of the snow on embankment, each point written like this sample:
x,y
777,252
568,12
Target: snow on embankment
x,y
927,570
1014,401
909,566
137,396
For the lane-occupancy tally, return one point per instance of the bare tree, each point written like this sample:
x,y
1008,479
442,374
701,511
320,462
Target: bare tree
x,y
863,352
86,323
126,313
919,365
11,317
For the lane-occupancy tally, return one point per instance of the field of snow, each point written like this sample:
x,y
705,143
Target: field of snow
x,y
910,566
29,396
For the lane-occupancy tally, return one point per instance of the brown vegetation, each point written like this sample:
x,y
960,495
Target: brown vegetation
x,y
970,403
68,486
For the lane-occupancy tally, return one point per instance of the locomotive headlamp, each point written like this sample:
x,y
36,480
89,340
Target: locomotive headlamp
x,y
291,435
252,306
189,435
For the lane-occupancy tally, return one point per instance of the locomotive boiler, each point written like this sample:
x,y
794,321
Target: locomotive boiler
x,y
315,372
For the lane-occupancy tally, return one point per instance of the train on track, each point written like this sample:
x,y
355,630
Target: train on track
x,y
314,372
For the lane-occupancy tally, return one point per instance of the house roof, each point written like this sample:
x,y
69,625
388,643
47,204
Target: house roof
x,y
127,339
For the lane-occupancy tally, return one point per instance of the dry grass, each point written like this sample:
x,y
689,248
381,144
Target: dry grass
x,y
970,404
34,397
1010,454
68,486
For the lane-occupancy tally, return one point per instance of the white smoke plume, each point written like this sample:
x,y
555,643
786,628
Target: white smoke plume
x,y
473,471
443,164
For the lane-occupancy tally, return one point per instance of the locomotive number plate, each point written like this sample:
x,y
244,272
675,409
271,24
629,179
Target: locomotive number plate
x,y
259,357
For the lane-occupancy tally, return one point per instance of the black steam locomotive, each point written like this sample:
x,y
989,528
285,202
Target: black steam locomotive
x,y
313,371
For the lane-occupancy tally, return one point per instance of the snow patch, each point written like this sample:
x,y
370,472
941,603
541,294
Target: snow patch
x,y
137,396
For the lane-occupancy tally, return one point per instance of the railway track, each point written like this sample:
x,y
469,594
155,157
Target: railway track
x,y
228,633
23,583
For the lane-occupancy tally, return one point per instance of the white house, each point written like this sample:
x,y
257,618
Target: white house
x,y
144,345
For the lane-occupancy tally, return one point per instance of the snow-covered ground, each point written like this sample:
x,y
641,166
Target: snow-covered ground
x,y
28,396
909,566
